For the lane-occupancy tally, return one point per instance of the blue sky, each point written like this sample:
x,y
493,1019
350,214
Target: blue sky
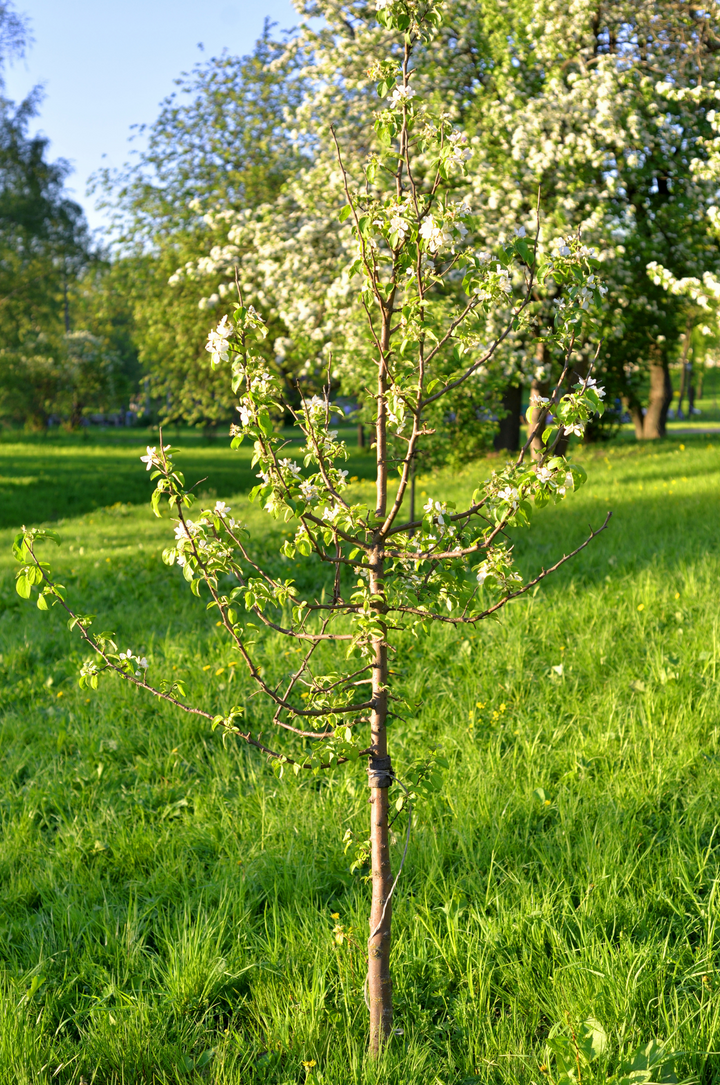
x,y
107,64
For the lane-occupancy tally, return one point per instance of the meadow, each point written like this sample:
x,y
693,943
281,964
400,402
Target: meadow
x,y
171,912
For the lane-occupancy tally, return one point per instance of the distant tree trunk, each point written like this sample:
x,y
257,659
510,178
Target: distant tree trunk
x,y
681,392
508,435
701,378
634,408
654,422
684,368
66,302
691,389
360,436
76,415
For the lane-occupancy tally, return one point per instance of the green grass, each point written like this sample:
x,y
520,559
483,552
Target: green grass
x,y
163,896
56,475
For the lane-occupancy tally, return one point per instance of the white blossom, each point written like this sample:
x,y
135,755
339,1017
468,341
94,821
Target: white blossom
x,y
399,226
592,383
218,343
185,531
291,466
401,95
130,657
151,459
458,152
434,235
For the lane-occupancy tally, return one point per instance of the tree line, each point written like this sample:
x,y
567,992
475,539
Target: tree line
x,y
600,127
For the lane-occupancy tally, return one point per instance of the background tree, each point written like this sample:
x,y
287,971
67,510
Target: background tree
x,y
391,575
582,109
45,253
220,137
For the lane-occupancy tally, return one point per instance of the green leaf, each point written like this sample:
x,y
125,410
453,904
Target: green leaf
x,y
345,213
42,603
578,473
562,1049
591,1039
23,586
205,1059
266,423
523,250
650,1063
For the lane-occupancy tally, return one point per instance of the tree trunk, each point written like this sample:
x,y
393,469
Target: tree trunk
x,y
413,472
684,367
681,392
660,398
691,390
76,415
633,406
379,981
508,435
360,435
537,390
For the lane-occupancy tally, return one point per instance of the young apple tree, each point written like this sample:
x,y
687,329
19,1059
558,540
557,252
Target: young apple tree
x,y
429,299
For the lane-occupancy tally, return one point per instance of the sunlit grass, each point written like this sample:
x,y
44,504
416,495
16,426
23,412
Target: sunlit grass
x,y
167,905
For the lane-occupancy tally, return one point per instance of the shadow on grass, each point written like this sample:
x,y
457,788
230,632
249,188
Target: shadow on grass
x,y
53,479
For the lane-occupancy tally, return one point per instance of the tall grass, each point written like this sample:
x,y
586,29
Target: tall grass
x,y
168,907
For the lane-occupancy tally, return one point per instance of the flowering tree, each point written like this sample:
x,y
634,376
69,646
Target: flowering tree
x,y
392,573
608,112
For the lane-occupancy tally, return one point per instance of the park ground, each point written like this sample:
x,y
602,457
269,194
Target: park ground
x,y
171,912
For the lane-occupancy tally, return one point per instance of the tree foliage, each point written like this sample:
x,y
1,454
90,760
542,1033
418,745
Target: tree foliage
x,y
598,112
220,138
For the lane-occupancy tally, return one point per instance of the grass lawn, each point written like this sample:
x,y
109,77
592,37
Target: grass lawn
x,y
167,907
